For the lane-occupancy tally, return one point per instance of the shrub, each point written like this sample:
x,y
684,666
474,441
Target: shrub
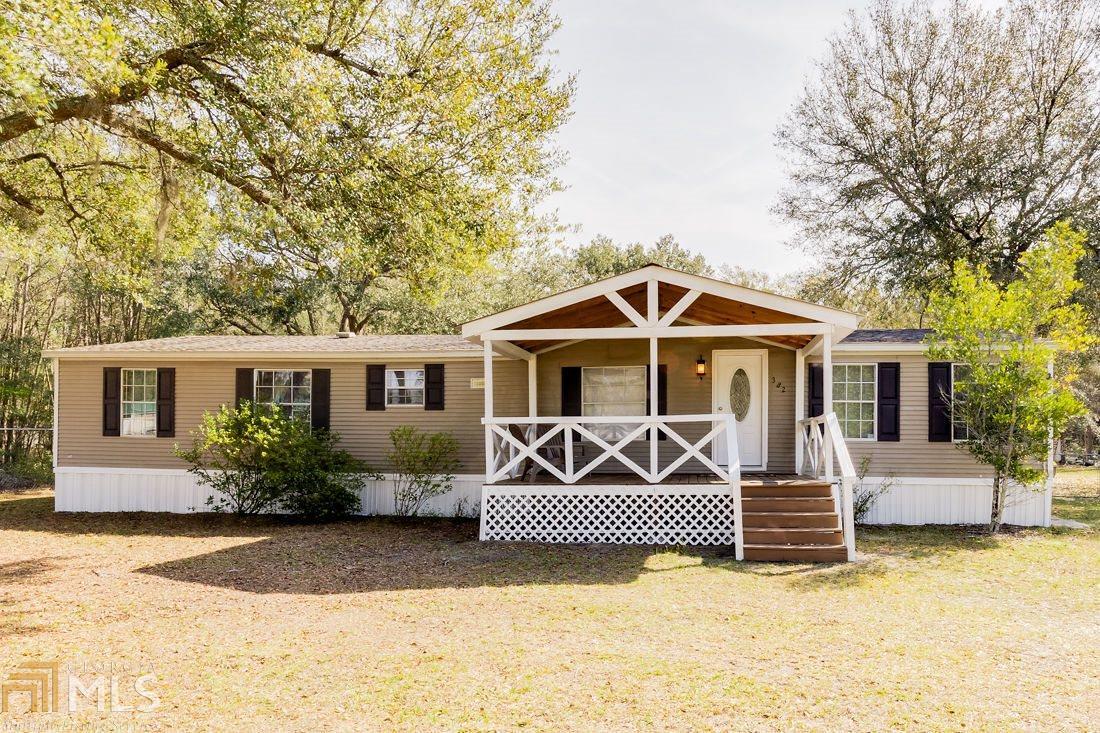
x,y
258,460
424,464
864,496
319,481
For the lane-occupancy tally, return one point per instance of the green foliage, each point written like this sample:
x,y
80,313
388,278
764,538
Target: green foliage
x,y
338,144
1006,337
424,465
258,460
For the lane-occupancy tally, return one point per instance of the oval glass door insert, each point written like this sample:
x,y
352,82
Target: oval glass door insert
x,y
740,394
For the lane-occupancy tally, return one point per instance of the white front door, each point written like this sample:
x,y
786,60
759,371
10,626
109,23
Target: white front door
x,y
739,378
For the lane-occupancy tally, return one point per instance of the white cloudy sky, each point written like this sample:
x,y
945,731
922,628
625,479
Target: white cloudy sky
x,y
673,124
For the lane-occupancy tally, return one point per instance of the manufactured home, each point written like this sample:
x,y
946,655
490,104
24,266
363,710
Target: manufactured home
x,y
651,407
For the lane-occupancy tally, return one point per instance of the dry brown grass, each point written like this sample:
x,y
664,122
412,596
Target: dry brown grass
x,y
1077,481
378,625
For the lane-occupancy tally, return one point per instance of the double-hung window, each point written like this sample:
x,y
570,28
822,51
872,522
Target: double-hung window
x,y
404,387
959,375
854,388
139,402
615,391
286,389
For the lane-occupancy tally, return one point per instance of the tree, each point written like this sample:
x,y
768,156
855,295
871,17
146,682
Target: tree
x,y
930,136
1005,338
342,143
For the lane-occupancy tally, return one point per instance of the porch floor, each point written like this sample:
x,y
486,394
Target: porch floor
x,y
633,479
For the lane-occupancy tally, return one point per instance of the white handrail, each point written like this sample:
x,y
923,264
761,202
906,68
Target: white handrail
x,y
823,443
509,452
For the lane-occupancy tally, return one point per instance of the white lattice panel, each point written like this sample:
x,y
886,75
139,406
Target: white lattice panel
x,y
629,515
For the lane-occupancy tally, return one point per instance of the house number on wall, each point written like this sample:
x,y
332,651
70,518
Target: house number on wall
x,y
779,385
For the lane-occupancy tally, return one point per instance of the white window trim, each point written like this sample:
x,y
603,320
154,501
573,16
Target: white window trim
x,y
122,403
424,390
952,406
615,366
874,400
256,379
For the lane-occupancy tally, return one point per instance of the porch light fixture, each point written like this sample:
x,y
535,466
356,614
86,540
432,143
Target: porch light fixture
x,y
701,367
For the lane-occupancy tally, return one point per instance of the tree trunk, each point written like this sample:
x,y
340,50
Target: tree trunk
x,y
997,509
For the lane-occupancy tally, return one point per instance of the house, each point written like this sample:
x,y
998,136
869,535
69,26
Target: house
x,y
651,407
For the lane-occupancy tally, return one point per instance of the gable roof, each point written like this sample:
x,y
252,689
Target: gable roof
x,y
718,303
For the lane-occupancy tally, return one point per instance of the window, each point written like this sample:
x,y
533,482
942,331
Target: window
x,y
613,391
139,402
854,399
404,386
959,374
288,389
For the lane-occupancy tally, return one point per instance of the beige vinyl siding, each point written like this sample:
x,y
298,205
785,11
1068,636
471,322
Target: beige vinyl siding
x,y
913,454
687,394
203,386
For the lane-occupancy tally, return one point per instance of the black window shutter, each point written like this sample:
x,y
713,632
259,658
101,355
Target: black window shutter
x,y
433,386
166,402
570,391
817,390
376,386
939,402
112,400
244,386
320,392
889,401
662,391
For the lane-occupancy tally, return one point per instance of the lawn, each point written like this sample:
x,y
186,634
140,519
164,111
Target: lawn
x,y
377,625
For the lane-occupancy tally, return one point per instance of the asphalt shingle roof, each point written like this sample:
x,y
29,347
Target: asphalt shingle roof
x,y
887,336
418,343
302,344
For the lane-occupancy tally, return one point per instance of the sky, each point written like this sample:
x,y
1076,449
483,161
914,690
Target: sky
x,y
674,120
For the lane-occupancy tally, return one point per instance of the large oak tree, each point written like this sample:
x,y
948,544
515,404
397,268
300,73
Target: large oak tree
x,y
930,134
334,142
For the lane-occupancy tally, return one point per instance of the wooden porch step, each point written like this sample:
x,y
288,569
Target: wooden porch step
x,y
793,536
787,504
791,520
787,491
796,553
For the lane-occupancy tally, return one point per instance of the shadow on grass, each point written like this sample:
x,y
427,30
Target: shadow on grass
x,y
385,554
36,514
21,570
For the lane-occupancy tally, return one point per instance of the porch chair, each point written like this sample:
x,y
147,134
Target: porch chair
x,y
553,450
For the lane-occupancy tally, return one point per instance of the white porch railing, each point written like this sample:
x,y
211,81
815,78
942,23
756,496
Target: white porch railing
x,y
509,452
822,445
658,513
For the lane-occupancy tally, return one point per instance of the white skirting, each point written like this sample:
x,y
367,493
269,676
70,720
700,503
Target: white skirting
x,y
954,501
910,500
176,490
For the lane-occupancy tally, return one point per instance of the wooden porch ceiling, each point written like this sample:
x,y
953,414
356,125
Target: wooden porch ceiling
x,y
708,309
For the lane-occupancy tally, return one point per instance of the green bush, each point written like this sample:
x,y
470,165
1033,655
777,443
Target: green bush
x,y
424,466
320,482
259,460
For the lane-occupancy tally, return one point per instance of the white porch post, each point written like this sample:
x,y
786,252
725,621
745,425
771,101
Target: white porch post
x,y
799,405
827,398
654,469
488,371
532,387
653,317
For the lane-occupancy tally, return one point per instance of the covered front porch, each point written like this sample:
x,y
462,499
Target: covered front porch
x,y
658,403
